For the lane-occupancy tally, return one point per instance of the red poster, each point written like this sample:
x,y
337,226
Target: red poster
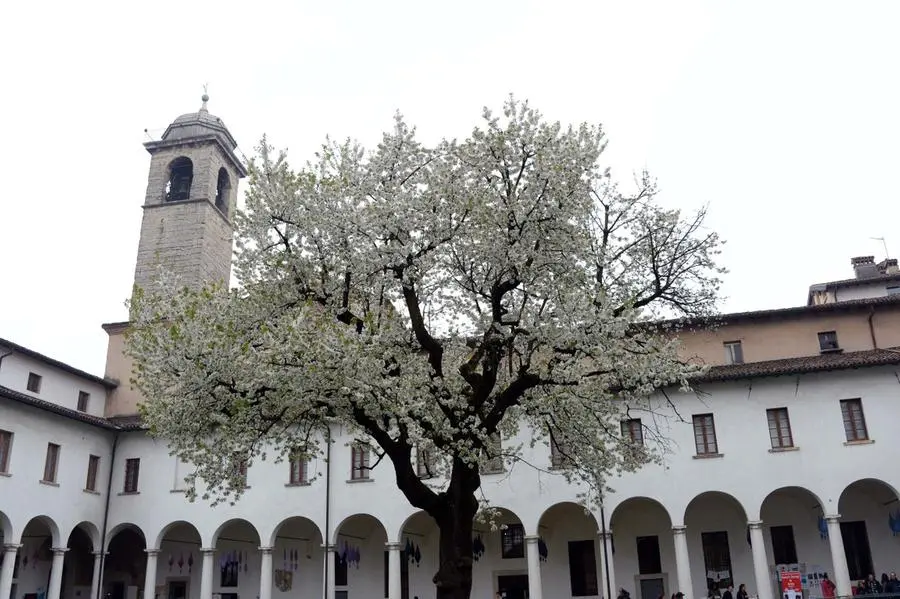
x,y
791,586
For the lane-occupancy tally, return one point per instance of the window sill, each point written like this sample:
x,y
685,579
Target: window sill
x,y
859,442
129,493
49,483
361,480
783,449
6,474
708,456
298,484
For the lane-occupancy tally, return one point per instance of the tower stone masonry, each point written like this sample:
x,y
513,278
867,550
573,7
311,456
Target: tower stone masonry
x,y
187,224
190,201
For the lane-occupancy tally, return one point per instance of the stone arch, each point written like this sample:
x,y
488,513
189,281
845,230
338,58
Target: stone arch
x,y
238,523
359,553
568,531
870,522
568,518
641,529
296,545
223,190
121,527
793,518
51,526
419,540
90,530
180,179
6,529
290,527
174,525
718,519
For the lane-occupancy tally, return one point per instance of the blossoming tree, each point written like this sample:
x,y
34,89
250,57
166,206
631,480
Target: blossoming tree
x,y
431,299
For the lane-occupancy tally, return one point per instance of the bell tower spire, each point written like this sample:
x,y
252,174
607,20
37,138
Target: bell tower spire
x,y
190,201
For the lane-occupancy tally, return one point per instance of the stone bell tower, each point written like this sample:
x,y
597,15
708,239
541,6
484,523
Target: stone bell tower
x,y
190,201
187,226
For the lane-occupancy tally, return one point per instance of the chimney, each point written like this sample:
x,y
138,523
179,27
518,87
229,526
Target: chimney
x,y
888,266
864,267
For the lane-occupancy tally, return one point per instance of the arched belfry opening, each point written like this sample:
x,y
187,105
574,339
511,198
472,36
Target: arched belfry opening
x,y
223,188
181,175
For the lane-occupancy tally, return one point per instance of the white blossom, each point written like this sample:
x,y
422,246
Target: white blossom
x,y
430,297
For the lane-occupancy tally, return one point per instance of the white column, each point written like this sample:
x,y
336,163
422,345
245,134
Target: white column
x,y
760,561
607,569
95,579
6,571
683,562
838,557
329,571
533,557
150,573
394,570
59,555
265,573
206,572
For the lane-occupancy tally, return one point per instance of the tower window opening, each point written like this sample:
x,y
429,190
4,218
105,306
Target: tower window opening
x,y
223,185
181,175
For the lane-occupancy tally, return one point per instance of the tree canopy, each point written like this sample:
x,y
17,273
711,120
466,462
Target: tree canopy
x,y
430,298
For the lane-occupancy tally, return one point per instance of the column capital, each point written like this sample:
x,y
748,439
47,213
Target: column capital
x,y
151,552
99,554
832,517
605,535
755,524
208,550
59,551
266,550
392,546
8,547
327,546
679,529
532,539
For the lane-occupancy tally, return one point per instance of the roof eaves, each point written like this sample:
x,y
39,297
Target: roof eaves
x,y
47,406
108,383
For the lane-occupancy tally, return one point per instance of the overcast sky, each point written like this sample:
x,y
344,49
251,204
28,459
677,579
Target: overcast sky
x,y
783,116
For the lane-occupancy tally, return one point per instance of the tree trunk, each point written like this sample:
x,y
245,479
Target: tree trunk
x,y
455,524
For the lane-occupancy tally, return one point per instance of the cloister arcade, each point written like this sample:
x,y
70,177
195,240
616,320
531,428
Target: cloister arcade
x,y
645,546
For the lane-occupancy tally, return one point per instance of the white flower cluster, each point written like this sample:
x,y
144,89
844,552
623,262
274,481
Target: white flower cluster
x,y
430,298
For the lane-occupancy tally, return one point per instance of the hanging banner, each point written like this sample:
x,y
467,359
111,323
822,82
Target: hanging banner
x,y
791,585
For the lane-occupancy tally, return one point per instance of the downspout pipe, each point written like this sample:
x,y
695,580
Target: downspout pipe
x,y
329,561
872,327
112,462
609,594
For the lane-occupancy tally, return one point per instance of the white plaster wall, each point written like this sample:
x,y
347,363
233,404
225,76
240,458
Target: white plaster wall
x,y
747,471
57,385
22,495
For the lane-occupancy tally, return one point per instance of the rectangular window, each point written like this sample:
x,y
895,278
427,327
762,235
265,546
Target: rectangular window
x,y
705,435
583,569
51,464
359,456
340,570
559,454
299,469
494,462
83,399
34,382
132,474
828,341
717,559
633,431
93,466
734,352
5,449
784,549
649,560
240,472
512,541
425,464
780,429
854,420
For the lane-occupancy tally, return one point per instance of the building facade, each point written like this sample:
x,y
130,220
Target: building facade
x,y
782,460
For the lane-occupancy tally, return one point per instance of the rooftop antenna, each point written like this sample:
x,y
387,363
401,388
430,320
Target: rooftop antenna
x,y
884,243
